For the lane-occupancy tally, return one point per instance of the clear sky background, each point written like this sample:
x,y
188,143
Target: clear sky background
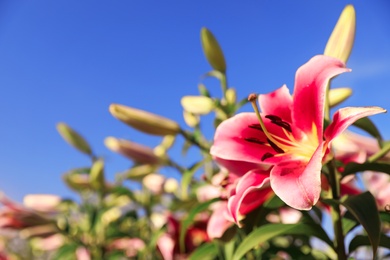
x,y
67,60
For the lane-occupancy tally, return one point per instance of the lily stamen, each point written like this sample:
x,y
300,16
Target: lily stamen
x,y
252,98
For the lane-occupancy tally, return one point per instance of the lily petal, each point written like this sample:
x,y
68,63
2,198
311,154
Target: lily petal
x,y
252,190
230,143
218,224
277,103
311,80
345,117
298,183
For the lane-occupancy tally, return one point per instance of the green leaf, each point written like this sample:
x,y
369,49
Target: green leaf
x,y
266,232
353,167
187,178
385,216
205,252
381,153
190,218
361,240
274,203
229,249
367,125
66,252
363,208
348,224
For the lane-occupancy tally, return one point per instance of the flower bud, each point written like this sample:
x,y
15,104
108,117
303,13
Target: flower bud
x,y
212,50
198,105
136,152
73,138
171,185
144,121
77,182
38,231
115,213
168,141
154,182
231,96
203,90
42,202
190,119
139,172
341,40
96,176
338,95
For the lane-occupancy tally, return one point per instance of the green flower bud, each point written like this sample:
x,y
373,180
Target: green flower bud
x,y
212,50
73,138
96,176
341,40
198,105
144,121
338,95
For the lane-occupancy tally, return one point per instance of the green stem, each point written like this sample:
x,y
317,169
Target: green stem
x,y
191,138
224,84
336,213
327,108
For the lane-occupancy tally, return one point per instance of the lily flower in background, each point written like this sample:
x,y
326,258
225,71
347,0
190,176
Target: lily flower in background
x,y
284,146
38,210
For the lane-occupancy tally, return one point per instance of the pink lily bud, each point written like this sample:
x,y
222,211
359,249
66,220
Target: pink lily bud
x,y
136,152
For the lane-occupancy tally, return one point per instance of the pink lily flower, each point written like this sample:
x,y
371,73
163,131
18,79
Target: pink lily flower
x,y
284,146
37,210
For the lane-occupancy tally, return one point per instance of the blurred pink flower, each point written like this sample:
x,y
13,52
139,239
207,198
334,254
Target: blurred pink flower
x,y
82,254
49,243
168,243
38,210
285,151
379,185
131,246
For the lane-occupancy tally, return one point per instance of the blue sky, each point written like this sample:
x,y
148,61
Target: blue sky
x,y
68,60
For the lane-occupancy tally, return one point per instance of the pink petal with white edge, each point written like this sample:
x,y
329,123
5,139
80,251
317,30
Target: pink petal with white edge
x,y
277,103
311,80
298,183
345,117
252,190
229,142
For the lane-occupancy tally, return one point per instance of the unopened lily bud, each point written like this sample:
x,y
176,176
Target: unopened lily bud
x,y
38,231
97,175
212,50
231,96
144,121
341,40
136,152
115,213
42,202
168,141
203,90
171,185
198,105
73,138
154,182
158,220
77,182
190,119
139,172
338,95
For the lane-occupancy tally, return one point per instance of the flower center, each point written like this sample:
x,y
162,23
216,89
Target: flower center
x,y
304,147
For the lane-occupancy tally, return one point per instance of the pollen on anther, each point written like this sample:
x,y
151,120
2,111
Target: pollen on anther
x,y
266,156
253,140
